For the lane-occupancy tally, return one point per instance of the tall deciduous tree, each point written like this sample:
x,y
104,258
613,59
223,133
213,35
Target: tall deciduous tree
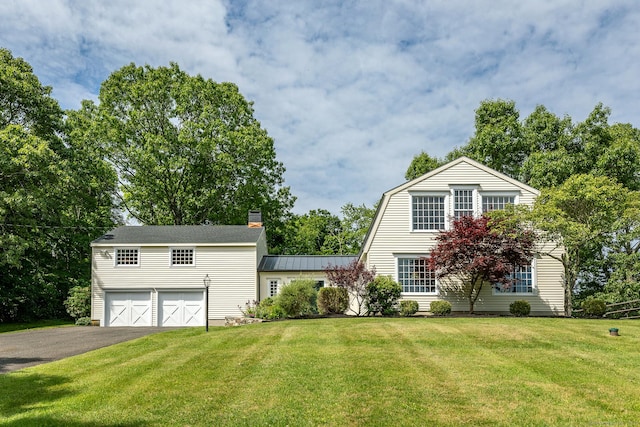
x,y
582,216
476,253
55,197
421,164
188,150
354,277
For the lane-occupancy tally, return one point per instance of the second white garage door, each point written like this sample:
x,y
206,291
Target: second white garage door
x,y
181,308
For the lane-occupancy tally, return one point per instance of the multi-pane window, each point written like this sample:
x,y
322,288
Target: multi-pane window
x,y
273,287
428,212
127,256
182,256
415,276
462,203
494,203
522,282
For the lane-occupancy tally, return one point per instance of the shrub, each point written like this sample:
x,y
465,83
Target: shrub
x,y
594,307
520,308
78,303
408,307
298,298
440,308
333,300
83,321
382,295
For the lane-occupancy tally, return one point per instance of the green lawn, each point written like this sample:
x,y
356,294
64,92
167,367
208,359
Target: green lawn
x,y
334,372
10,327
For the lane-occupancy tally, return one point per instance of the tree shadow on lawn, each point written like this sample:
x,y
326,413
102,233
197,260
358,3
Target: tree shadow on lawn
x,y
21,392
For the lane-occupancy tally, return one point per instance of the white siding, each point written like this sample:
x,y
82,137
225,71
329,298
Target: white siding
x,y
232,270
392,236
285,277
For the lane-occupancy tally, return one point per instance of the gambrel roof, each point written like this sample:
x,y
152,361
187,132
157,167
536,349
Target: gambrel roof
x,y
409,184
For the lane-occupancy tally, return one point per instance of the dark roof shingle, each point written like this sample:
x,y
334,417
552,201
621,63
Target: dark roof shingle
x,y
180,234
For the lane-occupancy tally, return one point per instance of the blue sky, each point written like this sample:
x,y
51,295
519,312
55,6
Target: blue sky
x,y
349,90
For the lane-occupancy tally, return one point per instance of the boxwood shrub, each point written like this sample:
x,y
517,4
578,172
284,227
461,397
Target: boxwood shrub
x,y
594,307
520,308
440,308
408,307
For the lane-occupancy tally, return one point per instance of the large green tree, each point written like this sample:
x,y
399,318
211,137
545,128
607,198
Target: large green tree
x,y
55,197
188,149
583,217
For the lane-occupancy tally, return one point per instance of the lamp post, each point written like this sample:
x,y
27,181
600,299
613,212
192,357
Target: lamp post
x,y
207,283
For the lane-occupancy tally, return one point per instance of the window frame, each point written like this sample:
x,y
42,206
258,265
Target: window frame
x,y
181,248
116,252
445,202
474,201
483,194
414,257
534,284
278,283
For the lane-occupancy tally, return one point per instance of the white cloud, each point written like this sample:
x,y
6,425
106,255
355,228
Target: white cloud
x,y
350,91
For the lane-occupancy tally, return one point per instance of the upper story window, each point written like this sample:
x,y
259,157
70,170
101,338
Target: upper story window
x,y
415,276
183,256
435,211
497,202
428,212
463,203
127,257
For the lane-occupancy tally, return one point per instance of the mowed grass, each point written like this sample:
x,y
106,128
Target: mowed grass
x,y
345,372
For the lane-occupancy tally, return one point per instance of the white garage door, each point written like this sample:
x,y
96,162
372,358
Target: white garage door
x,y
181,308
128,309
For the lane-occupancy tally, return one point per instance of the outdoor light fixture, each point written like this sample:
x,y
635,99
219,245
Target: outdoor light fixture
x,y
207,283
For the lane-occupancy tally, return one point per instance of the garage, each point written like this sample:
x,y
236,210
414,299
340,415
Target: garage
x,y
128,309
184,308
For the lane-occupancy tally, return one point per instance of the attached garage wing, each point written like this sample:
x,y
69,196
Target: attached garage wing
x,y
181,308
128,309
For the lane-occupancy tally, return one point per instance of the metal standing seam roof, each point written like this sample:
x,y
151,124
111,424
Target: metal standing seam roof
x,y
180,234
303,262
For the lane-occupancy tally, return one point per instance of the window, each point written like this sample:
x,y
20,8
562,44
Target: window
x,y
273,287
415,277
493,203
522,284
182,256
462,203
127,257
319,284
428,213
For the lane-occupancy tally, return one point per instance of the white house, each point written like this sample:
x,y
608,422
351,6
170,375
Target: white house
x,y
155,275
410,216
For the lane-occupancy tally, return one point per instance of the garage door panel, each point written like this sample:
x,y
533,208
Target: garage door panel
x,y
128,309
181,308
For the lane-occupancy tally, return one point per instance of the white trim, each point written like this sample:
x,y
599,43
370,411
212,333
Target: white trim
x,y
534,285
446,195
172,248
396,257
115,257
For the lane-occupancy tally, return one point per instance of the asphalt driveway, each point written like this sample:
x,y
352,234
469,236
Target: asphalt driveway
x,y
28,348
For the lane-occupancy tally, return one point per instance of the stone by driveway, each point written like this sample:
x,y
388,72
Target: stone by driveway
x,y
28,348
